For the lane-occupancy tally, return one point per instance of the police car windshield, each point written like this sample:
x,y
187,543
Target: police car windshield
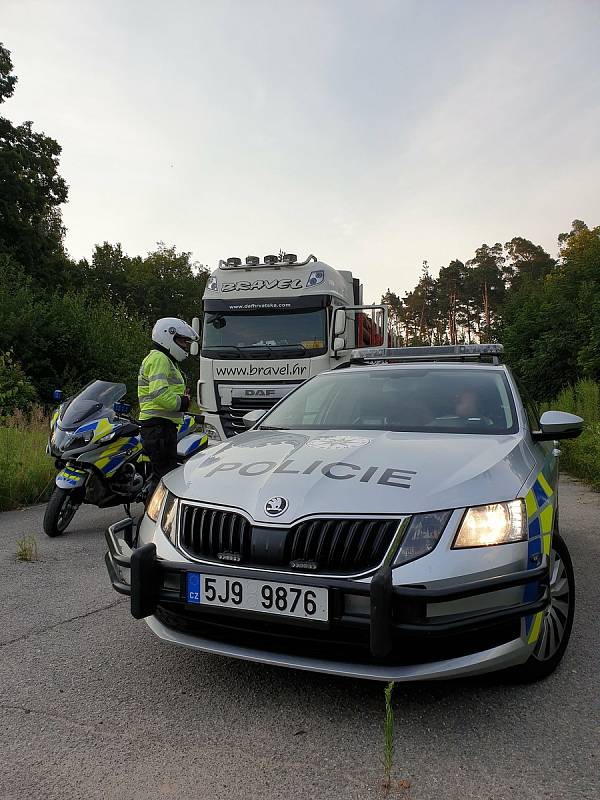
x,y
298,333
426,400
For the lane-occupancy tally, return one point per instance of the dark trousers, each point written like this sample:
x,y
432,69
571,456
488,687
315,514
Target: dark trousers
x,y
159,439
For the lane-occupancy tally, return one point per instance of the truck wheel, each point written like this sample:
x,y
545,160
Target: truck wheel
x,y
59,512
557,621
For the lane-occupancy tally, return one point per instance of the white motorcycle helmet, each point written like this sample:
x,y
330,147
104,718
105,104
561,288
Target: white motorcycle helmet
x,y
174,335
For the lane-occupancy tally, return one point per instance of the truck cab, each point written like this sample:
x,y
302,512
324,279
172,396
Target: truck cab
x,y
268,326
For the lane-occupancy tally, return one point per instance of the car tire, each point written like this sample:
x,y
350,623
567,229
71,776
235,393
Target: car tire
x,y
59,512
557,621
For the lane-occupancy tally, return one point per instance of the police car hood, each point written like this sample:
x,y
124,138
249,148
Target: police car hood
x,y
352,472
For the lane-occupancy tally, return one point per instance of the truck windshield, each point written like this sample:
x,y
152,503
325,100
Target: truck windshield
x,y
300,333
426,400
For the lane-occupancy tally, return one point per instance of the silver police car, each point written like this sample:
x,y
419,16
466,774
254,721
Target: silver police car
x,y
394,520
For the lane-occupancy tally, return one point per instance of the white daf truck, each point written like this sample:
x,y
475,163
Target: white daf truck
x,y
268,326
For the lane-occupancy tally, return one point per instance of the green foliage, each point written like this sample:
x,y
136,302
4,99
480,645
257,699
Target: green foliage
x,y
163,284
66,339
16,390
581,456
26,472
388,735
7,80
27,549
31,191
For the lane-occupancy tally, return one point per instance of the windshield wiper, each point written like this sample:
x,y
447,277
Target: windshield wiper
x,y
271,428
270,348
231,348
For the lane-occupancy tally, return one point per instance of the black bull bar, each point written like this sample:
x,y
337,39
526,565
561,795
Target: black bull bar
x,y
391,607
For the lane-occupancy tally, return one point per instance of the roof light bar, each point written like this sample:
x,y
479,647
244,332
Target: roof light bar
x,y
452,352
288,259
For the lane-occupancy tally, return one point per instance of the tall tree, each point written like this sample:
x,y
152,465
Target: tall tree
x,y
31,193
487,274
525,261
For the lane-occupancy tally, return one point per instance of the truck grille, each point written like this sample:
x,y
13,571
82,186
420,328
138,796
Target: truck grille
x,y
342,546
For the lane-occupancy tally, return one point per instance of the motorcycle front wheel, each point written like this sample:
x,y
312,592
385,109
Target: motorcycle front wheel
x,y
59,512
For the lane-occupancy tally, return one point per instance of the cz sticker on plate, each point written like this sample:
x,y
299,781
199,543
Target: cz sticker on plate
x,y
267,597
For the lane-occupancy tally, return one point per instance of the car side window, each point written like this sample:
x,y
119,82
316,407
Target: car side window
x,y
531,410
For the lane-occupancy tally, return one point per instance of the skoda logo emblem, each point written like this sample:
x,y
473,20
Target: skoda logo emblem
x,y
276,506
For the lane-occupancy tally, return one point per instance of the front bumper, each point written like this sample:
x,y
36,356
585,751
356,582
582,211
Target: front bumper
x,y
395,640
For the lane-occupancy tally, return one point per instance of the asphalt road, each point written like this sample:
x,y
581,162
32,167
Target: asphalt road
x,y
92,705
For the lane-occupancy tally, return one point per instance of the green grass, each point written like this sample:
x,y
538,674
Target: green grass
x,y
26,472
27,549
581,456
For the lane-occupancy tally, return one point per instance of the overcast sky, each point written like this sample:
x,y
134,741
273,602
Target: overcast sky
x,y
374,134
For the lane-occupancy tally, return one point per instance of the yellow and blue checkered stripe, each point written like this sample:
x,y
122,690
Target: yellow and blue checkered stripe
x,y
540,502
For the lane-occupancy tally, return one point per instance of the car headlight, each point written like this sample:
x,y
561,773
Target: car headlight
x,y
153,507
168,521
498,523
424,532
212,433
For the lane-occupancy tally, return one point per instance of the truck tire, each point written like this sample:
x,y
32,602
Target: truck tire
x,y
557,621
59,512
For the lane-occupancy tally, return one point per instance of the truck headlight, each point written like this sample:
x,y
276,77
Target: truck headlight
x,y
423,534
153,507
498,523
168,521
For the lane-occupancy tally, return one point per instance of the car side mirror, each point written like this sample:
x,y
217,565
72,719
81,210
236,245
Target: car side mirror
x,y
339,343
558,425
252,417
339,322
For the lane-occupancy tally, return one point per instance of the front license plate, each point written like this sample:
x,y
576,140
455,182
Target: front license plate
x,y
267,597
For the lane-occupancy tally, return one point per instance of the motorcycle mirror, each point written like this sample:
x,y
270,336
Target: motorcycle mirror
x,y
57,395
122,408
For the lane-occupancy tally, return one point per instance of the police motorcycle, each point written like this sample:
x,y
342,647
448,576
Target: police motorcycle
x,y
98,451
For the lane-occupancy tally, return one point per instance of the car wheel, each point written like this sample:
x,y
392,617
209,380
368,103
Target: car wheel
x,y
557,621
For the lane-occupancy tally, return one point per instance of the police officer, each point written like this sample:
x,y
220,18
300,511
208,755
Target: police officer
x,y
162,394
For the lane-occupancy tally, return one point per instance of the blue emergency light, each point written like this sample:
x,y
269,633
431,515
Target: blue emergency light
x,y
121,408
57,395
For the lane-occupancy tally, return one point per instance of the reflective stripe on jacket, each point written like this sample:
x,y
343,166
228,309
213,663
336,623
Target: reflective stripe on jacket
x,y
160,386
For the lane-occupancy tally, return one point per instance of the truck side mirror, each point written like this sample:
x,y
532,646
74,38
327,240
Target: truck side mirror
x,y
194,348
339,343
339,322
252,417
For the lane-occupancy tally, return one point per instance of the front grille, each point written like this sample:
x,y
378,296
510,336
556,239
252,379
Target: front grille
x,y
206,532
232,417
343,546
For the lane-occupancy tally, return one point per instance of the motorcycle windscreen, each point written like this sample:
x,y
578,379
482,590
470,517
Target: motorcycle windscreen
x,y
94,401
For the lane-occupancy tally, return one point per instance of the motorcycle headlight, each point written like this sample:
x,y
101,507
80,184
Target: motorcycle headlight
x,y
153,507
424,532
498,523
76,440
168,521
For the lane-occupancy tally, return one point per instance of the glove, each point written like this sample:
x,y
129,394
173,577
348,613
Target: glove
x,y
184,402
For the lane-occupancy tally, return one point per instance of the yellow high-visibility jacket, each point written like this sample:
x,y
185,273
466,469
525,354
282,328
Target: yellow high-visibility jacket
x,y
160,386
